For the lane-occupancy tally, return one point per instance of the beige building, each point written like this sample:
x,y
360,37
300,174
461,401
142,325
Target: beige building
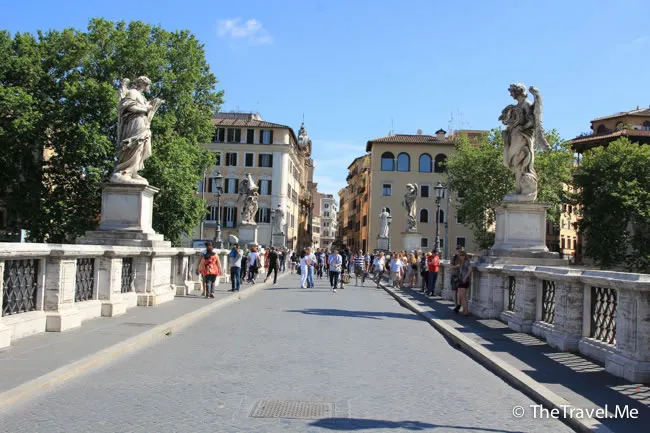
x,y
328,220
278,162
399,159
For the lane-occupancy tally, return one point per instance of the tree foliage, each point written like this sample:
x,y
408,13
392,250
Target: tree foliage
x,y
59,96
477,174
613,191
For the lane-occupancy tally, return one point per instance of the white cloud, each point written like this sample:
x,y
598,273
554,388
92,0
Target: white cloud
x,y
634,45
251,31
331,160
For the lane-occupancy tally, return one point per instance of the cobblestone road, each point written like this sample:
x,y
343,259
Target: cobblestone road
x,y
383,367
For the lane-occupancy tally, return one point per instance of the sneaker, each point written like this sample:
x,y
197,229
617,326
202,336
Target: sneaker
x,y
334,290
275,284
212,295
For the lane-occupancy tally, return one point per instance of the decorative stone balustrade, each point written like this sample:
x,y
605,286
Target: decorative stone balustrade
x,y
55,287
603,315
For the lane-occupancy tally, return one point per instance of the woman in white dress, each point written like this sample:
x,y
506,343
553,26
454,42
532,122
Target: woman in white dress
x,y
304,265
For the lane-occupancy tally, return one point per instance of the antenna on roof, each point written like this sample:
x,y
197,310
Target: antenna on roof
x,y
392,126
450,124
419,132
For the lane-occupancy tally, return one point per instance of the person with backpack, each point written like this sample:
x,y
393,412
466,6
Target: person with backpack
x,y
210,267
272,265
235,268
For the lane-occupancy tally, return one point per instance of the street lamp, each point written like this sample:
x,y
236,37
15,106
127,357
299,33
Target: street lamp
x,y
389,219
439,190
218,243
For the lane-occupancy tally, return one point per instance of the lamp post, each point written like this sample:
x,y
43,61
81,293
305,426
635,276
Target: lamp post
x,y
218,243
389,219
440,193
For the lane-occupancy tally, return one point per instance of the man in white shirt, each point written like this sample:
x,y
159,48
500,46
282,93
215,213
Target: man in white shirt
x,y
335,262
310,268
378,266
396,271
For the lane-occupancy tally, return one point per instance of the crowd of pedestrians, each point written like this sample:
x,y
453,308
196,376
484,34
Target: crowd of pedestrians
x,y
414,270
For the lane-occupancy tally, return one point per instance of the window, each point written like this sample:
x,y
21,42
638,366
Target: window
x,y
442,244
212,184
424,242
219,135
212,213
424,216
403,162
327,214
200,186
266,136
248,159
263,215
231,186
425,163
293,221
441,216
646,125
424,191
265,187
233,135
562,243
358,226
440,164
217,158
266,160
250,136
231,159
387,162
230,217
460,241
326,206
387,190
365,220
601,129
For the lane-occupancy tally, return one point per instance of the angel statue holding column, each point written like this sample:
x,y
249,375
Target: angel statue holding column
x,y
523,132
134,114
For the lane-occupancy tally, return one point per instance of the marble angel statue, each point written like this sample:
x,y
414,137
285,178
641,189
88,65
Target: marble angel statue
x,y
249,194
409,204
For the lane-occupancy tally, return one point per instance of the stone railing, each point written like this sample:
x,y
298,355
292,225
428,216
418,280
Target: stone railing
x,y
54,287
603,315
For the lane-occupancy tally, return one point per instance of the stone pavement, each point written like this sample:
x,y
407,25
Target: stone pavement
x,y
382,366
581,381
34,356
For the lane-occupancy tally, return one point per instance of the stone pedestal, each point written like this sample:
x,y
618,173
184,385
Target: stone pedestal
x,y
521,236
412,241
382,244
248,234
278,240
127,212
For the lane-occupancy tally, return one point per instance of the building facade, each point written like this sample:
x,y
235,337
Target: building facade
x,y
328,220
278,161
358,202
400,159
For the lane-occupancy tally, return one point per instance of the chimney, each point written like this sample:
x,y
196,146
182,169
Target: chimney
x,y
440,133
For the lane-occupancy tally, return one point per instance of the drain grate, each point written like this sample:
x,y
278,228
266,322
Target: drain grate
x,y
292,409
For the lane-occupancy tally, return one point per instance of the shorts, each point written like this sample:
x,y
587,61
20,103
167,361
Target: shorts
x,y
358,271
463,285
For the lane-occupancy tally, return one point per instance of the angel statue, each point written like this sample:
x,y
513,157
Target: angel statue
x,y
409,204
277,220
134,114
249,192
523,132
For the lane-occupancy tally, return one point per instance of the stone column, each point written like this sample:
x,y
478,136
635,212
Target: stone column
x,y
5,332
632,357
526,300
60,284
567,330
488,296
109,284
153,278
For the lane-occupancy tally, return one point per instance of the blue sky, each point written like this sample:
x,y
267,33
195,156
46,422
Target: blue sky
x,y
358,69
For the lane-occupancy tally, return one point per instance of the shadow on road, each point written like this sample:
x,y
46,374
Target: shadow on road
x,y
351,424
376,315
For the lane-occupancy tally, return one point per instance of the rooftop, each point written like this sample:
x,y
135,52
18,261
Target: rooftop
x,y
637,112
585,142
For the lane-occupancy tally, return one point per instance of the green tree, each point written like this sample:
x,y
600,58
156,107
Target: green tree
x,y
477,174
613,191
62,86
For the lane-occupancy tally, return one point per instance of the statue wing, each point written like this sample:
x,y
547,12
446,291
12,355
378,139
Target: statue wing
x,y
124,88
243,189
121,93
540,139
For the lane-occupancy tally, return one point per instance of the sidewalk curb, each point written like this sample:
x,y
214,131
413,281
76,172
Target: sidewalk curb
x,y
513,376
97,360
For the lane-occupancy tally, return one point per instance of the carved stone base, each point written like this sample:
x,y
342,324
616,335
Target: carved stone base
x,y
382,244
412,241
278,240
127,212
248,234
62,320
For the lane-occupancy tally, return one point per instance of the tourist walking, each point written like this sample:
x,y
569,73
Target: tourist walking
x,y
424,271
253,264
210,268
465,275
455,275
310,268
335,262
378,265
272,265
283,259
396,270
433,264
304,260
235,258
345,265
359,261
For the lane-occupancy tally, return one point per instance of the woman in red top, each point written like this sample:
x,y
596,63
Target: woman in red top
x,y
433,264
210,268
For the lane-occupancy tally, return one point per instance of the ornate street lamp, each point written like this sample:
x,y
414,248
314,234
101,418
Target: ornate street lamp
x,y
218,243
439,190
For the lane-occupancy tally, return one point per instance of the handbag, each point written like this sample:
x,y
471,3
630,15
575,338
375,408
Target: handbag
x,y
345,278
298,270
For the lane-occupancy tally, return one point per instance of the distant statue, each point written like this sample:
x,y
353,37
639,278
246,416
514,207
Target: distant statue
x,y
277,220
409,204
249,192
134,114
383,223
523,132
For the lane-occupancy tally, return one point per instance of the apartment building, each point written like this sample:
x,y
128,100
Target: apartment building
x,y
328,220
